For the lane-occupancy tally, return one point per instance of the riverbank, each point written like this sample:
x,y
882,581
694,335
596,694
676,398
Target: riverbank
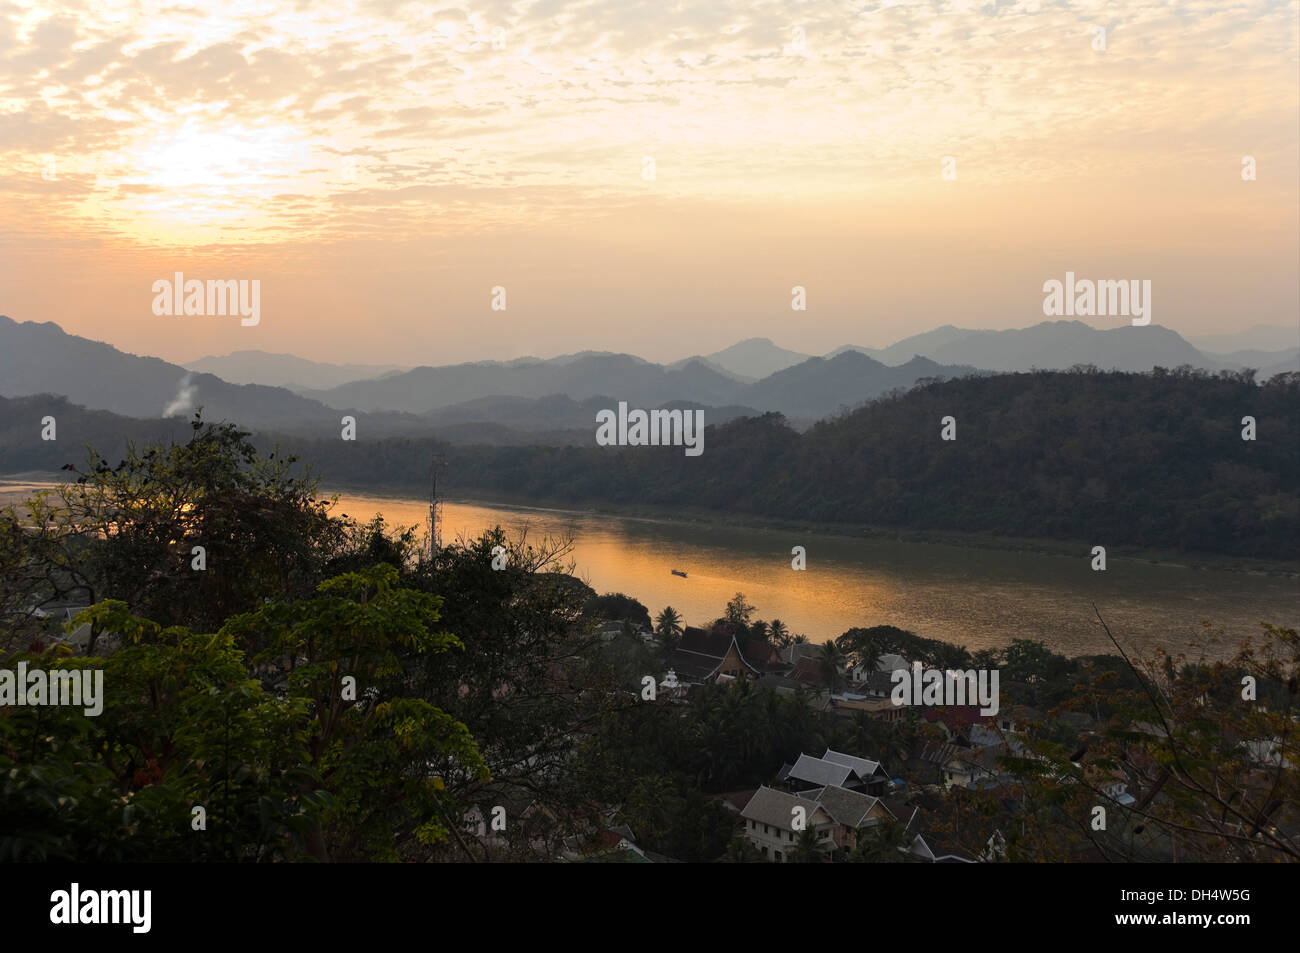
x,y
699,516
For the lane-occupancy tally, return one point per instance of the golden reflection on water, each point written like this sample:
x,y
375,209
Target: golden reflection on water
x,y
975,597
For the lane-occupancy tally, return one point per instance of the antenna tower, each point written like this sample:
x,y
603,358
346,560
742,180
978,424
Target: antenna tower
x,y
436,463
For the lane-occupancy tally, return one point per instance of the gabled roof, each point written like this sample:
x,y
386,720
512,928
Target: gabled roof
x,y
904,813
879,683
795,651
861,766
770,806
940,754
705,641
698,647
958,718
937,854
806,670
817,771
846,807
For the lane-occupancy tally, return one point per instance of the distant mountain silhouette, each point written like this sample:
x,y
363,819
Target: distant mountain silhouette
x,y
286,370
424,389
820,386
553,401
904,350
43,359
1052,345
556,411
755,358
1261,337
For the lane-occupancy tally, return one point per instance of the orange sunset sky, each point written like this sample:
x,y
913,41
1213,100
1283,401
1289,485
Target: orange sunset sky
x,y
380,166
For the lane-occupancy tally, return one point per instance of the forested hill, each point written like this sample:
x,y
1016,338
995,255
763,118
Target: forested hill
x,y
1145,460
1149,460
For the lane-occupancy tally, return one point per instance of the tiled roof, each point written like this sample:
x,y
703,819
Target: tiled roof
x,y
904,813
770,806
697,646
807,671
862,766
939,754
957,717
847,807
817,771
705,642
692,666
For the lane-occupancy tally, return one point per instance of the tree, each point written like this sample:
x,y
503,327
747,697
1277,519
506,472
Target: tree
x,y
669,628
287,759
862,647
738,610
886,842
130,532
806,848
533,676
618,607
741,851
779,633
831,661
370,743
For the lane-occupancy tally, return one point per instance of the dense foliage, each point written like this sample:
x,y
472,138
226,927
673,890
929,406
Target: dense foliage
x,y
1145,460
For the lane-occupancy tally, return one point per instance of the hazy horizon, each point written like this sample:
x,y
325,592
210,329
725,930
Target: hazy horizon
x,y
380,168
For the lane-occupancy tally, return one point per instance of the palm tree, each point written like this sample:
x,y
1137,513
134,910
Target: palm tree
x,y
668,626
779,633
799,639
760,630
831,660
885,843
805,848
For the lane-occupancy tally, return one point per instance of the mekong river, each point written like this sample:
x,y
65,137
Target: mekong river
x,y
979,598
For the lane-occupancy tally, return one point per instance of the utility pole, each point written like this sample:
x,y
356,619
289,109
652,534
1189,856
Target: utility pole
x,y
436,463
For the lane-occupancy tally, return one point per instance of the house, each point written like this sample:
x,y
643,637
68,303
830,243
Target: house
x,y
795,651
880,676
934,852
701,656
871,774
851,811
809,772
960,766
878,708
774,819
956,720
834,769
807,672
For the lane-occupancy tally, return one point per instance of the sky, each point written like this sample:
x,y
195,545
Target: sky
x,y
650,177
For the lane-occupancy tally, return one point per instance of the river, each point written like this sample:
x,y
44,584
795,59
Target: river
x,y
980,598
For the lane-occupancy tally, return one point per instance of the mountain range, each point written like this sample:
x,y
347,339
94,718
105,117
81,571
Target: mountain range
x,y
554,401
